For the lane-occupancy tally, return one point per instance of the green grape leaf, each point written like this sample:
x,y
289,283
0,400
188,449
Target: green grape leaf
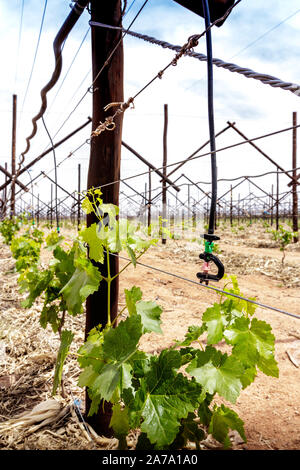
x,y
248,376
131,254
118,346
189,432
166,399
239,335
120,420
53,240
132,296
150,313
193,334
63,264
49,314
90,353
87,206
65,342
254,345
87,376
122,341
162,368
106,381
204,412
217,373
36,283
215,322
222,420
111,210
84,281
90,236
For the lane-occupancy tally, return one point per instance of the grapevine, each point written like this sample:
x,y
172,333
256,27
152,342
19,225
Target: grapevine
x,y
169,397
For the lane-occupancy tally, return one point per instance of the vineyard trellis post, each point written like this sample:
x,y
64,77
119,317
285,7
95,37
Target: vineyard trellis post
x,y
78,196
272,207
38,211
277,199
164,185
231,205
51,206
149,201
5,192
294,185
13,156
104,163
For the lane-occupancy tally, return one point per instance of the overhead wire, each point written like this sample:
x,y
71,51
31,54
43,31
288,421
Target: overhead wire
x,y
69,68
19,41
89,72
228,147
265,34
34,58
266,79
102,68
55,172
58,44
219,291
203,155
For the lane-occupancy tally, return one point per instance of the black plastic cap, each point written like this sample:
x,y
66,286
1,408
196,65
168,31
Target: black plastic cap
x,y
217,8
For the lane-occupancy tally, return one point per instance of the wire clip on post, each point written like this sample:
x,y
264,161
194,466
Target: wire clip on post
x,y
208,257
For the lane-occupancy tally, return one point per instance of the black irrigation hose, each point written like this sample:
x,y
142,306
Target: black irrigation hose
x,y
212,215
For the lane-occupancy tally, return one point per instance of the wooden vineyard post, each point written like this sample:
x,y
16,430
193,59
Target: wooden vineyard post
x,y
164,185
5,193
277,201
104,164
294,185
231,205
149,202
13,157
51,207
78,196
38,211
272,206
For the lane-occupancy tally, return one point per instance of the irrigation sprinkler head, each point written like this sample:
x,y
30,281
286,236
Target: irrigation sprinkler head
x,y
217,8
208,257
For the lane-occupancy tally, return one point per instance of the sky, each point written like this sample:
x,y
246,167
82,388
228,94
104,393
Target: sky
x,y
262,36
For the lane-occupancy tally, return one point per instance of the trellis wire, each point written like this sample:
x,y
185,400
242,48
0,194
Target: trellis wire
x,y
220,291
248,73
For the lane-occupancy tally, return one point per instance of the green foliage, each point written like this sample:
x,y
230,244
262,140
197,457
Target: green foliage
x,y
169,395
8,228
63,285
150,391
284,238
26,249
66,340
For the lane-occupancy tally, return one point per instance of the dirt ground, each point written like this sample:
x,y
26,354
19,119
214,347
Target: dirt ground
x,y
270,407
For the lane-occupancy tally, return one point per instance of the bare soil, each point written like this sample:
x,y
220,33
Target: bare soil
x,y
270,407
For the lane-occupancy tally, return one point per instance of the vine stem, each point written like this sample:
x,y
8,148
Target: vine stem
x,y
109,281
119,314
128,264
61,323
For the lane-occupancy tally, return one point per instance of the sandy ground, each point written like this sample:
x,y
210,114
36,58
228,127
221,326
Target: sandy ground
x,y
270,407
